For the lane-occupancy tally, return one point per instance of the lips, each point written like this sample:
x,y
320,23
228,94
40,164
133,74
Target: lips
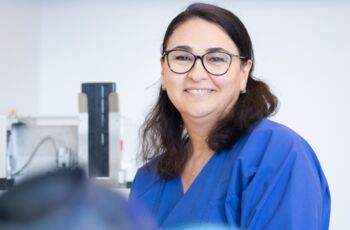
x,y
198,91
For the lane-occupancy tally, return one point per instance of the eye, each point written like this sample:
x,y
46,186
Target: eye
x,y
217,58
182,58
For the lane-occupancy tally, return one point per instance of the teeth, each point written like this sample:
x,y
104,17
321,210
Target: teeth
x,y
198,91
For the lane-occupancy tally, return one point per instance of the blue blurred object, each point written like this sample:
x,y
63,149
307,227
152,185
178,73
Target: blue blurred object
x,y
67,200
203,227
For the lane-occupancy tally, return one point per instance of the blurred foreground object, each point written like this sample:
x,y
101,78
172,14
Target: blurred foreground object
x,y
66,199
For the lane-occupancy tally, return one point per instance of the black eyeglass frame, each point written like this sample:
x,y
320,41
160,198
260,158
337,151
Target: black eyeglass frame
x,y
166,54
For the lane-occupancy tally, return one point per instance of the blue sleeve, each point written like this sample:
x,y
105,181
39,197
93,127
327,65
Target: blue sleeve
x,y
284,186
135,186
144,180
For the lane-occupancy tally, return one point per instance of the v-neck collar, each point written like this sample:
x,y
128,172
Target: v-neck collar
x,y
184,199
197,177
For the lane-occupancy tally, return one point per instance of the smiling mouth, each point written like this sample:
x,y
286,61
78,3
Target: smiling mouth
x,y
198,91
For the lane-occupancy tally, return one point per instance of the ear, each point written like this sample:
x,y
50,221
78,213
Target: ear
x,y
162,65
245,69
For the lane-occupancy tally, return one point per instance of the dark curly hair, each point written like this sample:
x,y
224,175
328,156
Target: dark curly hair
x,y
163,133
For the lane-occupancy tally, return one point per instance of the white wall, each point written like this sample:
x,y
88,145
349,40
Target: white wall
x,y
19,56
98,42
300,48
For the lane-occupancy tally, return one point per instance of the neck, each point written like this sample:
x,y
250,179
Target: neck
x,y
198,133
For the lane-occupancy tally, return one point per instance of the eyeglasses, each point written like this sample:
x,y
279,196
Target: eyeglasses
x,y
216,63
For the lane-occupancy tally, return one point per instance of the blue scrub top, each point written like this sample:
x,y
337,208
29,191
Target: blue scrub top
x,y
269,179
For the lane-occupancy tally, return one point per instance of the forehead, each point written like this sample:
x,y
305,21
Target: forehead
x,y
201,35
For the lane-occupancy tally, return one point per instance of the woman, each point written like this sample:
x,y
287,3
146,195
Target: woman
x,y
212,156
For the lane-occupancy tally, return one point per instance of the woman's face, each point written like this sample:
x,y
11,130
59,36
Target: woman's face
x,y
198,94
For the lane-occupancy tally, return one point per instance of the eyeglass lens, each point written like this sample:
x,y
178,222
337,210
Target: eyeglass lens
x,y
216,63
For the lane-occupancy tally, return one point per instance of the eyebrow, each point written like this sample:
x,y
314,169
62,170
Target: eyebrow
x,y
185,48
188,48
215,49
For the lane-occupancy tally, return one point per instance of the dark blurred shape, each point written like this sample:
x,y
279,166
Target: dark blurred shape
x,y
5,183
66,199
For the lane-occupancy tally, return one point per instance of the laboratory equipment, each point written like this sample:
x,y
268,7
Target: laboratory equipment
x,y
91,140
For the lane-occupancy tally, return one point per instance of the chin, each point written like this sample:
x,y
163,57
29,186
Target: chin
x,y
199,114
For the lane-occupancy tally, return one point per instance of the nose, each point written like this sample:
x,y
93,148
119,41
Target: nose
x,y
198,72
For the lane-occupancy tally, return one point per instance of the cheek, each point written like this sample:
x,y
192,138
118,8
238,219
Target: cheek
x,y
173,87
229,88
168,79
227,84
173,82
175,98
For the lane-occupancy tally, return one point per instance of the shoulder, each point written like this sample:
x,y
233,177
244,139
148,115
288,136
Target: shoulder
x,y
148,171
271,128
272,152
271,134
270,145
145,178
277,170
